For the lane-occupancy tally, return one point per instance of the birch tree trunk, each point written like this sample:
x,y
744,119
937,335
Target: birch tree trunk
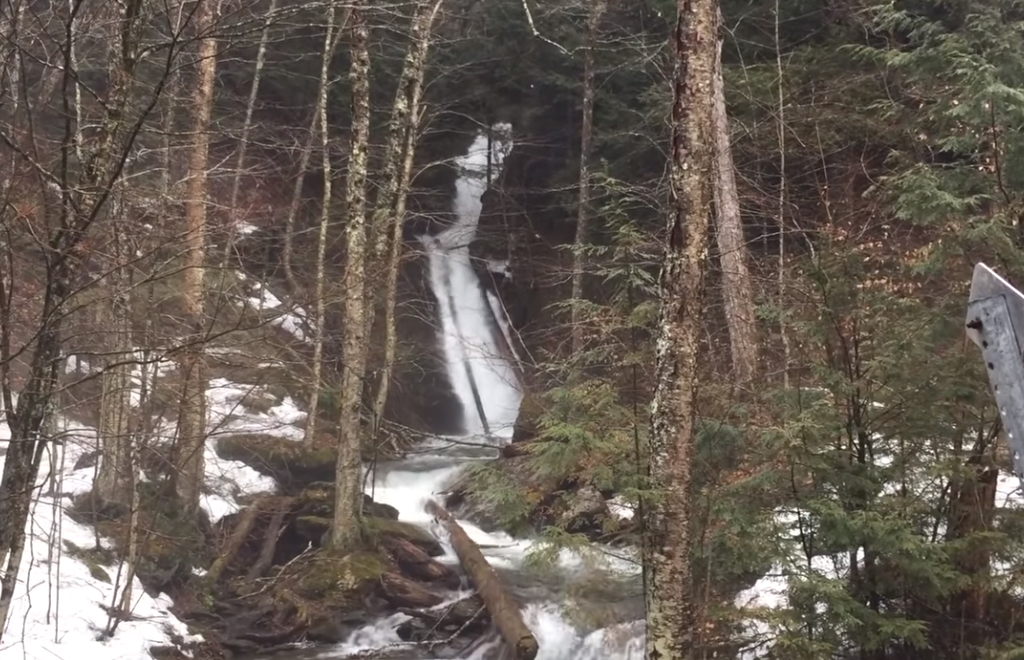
x,y
325,220
403,131
113,480
669,597
597,8
261,58
189,470
348,481
732,247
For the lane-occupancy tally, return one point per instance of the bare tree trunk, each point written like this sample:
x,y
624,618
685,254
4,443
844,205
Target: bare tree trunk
x,y
325,221
191,439
347,495
670,594
786,349
293,207
261,58
403,133
80,203
113,481
597,8
732,248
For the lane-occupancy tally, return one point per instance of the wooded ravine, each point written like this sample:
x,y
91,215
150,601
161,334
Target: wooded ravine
x,y
506,329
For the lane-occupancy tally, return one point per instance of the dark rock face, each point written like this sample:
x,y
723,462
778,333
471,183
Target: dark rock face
x,y
527,224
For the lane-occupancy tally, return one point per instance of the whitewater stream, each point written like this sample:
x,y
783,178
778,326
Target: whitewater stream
x,y
474,336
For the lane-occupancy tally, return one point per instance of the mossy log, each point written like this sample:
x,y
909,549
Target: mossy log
x,y
400,591
503,609
416,563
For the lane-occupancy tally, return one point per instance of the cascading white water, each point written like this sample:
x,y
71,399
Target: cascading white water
x,y
467,331
471,324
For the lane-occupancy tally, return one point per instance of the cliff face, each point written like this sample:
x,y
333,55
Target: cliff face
x,y
525,228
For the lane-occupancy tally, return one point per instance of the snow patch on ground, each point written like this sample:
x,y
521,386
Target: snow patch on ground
x,y
294,320
58,607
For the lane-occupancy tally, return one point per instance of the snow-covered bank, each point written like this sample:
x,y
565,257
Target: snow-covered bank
x,y
60,604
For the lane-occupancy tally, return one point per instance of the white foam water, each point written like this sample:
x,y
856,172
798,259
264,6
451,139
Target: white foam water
x,y
469,336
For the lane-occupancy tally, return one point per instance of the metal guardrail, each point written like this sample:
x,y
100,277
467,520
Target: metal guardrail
x,y
995,322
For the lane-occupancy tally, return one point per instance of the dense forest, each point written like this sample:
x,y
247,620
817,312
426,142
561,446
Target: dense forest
x,y
507,329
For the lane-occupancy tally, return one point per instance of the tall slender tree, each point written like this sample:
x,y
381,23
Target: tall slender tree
x,y
389,212
320,301
732,247
669,598
189,470
348,482
597,9
73,200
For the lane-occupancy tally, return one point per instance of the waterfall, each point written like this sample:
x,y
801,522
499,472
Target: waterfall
x,y
481,376
472,328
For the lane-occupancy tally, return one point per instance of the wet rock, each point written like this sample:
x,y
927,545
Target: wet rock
x,y
586,510
317,499
292,464
325,630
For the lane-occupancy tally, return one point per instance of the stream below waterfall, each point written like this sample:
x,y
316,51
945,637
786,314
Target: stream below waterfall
x,y
474,332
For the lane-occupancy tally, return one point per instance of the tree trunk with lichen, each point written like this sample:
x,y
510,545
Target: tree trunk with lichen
x,y
113,479
348,478
191,439
669,597
81,203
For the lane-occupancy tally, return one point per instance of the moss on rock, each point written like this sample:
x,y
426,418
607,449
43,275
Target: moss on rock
x,y
340,579
293,465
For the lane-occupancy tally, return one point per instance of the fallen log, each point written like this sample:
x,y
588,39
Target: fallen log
x,y
270,539
466,615
416,563
504,610
403,592
235,541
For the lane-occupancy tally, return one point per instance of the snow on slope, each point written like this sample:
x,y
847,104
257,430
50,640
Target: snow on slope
x,y
58,610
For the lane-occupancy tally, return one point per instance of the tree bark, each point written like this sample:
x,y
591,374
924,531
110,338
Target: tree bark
x,y
270,539
402,136
236,184
669,597
347,493
235,541
504,610
114,478
191,440
597,8
325,221
732,248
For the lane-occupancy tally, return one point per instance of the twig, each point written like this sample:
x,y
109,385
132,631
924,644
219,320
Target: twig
x,y
536,33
